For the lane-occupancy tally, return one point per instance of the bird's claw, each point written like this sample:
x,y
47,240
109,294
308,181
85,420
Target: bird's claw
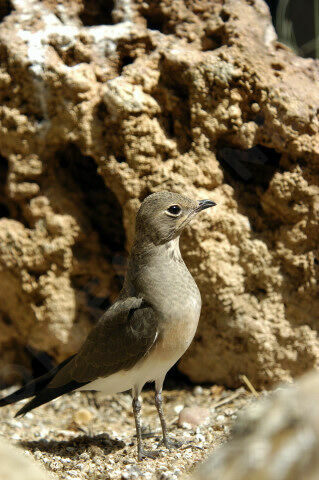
x,y
153,454
170,444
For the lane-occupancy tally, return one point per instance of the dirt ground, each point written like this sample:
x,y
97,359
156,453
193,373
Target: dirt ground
x,y
89,436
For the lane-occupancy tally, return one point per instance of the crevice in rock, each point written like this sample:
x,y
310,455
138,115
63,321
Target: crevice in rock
x,y
175,118
74,187
214,39
129,52
156,19
8,207
90,301
97,12
126,60
17,372
4,209
6,8
249,172
225,16
256,165
78,174
71,56
277,66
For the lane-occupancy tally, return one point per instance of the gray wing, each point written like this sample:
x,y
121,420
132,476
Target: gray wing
x,y
123,335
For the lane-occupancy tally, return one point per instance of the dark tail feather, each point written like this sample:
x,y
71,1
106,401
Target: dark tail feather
x,y
34,387
47,395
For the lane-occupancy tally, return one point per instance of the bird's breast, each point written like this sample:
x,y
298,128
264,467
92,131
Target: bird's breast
x,y
165,283
180,311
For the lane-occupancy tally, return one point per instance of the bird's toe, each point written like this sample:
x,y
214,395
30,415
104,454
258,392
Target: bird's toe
x,y
170,443
153,454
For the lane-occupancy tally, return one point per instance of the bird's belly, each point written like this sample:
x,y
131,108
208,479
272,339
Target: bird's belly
x,y
175,336
146,370
167,350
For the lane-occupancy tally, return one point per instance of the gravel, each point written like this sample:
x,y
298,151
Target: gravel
x,y
90,436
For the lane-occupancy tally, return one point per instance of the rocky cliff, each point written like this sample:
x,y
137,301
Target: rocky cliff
x,y
102,105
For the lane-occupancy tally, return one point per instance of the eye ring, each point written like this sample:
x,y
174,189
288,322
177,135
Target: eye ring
x,y
174,210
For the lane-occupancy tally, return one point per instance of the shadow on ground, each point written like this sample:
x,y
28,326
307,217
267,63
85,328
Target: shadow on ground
x,y
75,446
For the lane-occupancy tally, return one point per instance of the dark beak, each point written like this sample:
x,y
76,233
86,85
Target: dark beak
x,y
202,204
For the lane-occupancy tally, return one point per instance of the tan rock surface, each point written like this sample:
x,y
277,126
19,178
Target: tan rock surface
x,y
274,438
15,465
99,109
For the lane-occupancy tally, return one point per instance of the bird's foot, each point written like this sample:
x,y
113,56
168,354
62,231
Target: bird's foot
x,y
153,454
170,443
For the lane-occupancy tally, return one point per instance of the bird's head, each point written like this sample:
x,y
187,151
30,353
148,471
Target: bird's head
x,y
163,215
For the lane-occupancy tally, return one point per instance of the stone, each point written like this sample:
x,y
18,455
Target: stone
x,y
277,437
194,416
99,110
14,465
83,416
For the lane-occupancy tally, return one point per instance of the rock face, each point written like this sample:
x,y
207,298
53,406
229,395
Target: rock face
x,y
15,465
275,438
100,107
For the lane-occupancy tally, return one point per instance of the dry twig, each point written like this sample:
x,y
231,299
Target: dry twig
x,y
229,399
249,385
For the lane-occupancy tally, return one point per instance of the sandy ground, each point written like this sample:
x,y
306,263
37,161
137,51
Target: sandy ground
x,y
89,436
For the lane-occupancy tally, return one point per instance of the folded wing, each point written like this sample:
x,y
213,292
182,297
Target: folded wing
x,y
123,335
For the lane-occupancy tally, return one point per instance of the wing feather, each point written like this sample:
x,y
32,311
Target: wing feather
x,y
123,335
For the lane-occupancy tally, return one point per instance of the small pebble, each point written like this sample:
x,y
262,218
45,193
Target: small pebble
x,y
131,473
198,390
55,466
193,416
220,418
82,416
178,408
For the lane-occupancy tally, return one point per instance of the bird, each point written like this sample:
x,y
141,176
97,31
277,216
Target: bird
x,y
148,327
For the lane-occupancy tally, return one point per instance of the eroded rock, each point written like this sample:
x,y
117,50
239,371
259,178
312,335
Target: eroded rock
x,y
196,97
15,465
275,438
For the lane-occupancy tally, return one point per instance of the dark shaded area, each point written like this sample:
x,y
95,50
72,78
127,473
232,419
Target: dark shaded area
x,y
80,444
8,207
71,56
121,159
5,8
126,60
128,52
175,379
172,96
301,14
249,172
256,165
74,186
41,362
156,19
97,12
296,21
214,39
78,174
4,210
273,4
225,16
93,303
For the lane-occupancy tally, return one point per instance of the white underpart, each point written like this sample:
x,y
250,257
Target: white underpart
x,y
147,370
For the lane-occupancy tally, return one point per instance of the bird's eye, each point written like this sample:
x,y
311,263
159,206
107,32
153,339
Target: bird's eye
x,y
174,209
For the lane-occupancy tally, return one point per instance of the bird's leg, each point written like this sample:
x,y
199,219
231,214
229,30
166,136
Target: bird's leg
x,y
159,405
141,453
